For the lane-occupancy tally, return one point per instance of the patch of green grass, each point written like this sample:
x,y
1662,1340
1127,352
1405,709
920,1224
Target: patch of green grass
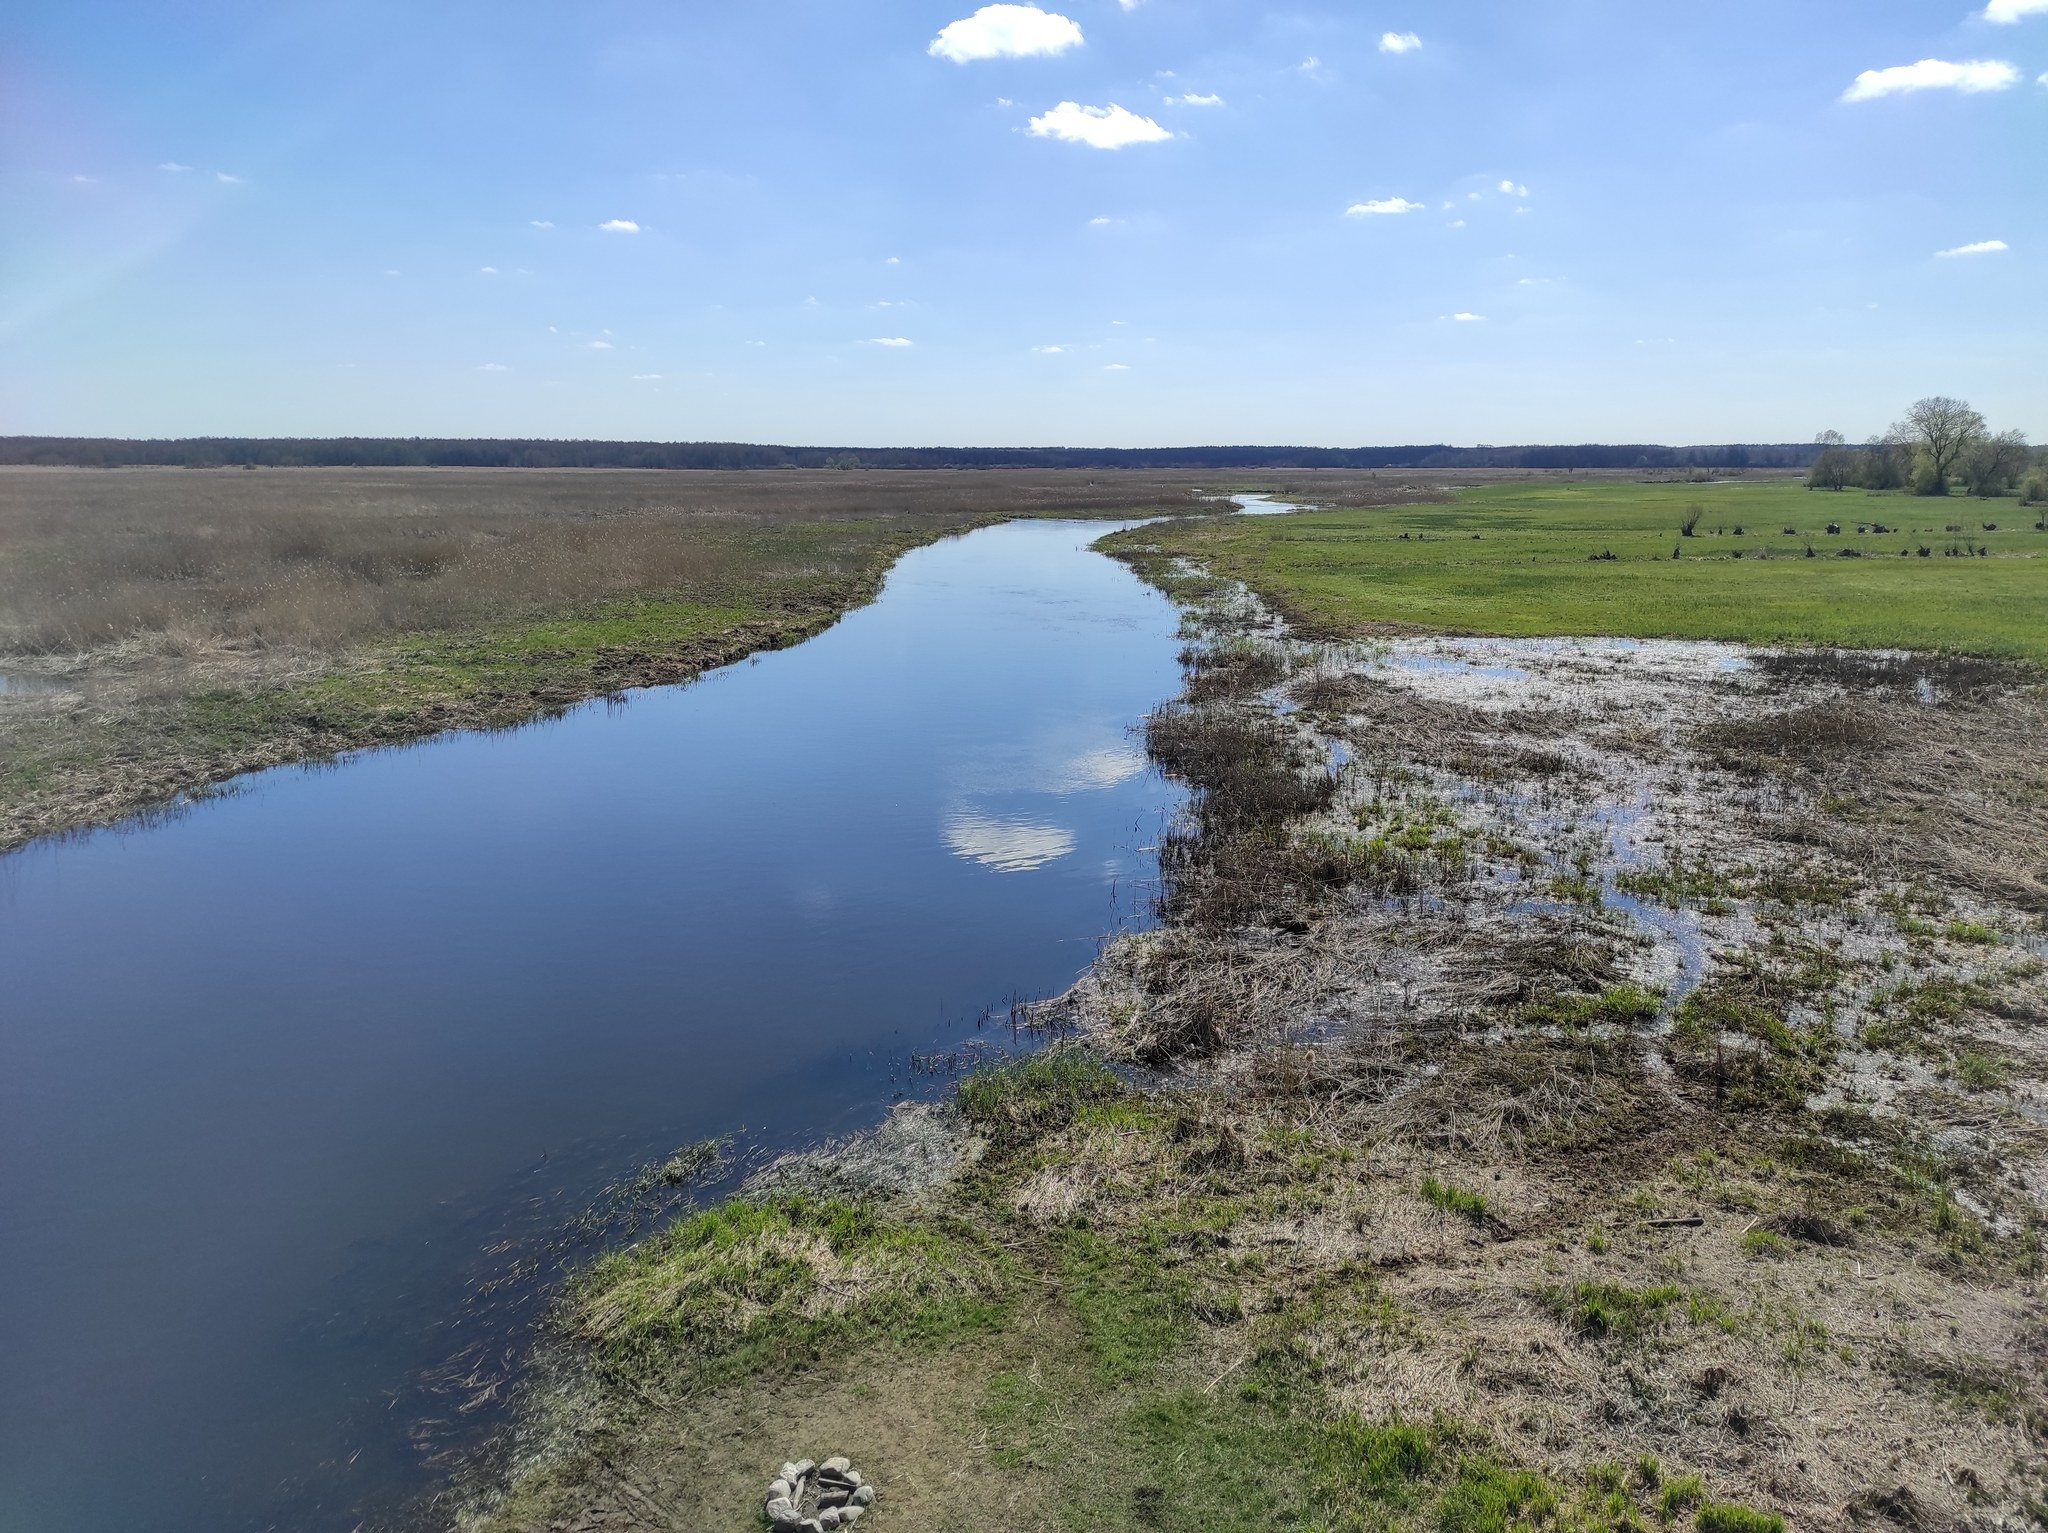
x,y
1680,1495
1025,1098
1676,883
1343,571
1766,1243
1133,1310
1618,1006
1974,933
1977,1071
1601,1311
752,1287
1454,1200
1727,1517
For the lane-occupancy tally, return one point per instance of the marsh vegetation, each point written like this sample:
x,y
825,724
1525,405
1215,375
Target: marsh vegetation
x,y
1584,1085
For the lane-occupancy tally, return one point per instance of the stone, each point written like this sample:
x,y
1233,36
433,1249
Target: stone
x,y
790,1473
834,1495
802,1467
828,1519
837,1465
781,1490
782,1512
811,1525
864,1496
849,1515
853,1477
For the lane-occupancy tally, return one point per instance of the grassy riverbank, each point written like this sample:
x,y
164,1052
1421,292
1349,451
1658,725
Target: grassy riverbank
x,y
1530,557
1605,1100
164,630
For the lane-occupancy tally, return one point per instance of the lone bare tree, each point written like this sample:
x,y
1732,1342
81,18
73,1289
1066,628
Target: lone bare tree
x,y
1941,431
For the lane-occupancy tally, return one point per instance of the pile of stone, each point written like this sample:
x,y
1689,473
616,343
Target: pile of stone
x,y
807,1497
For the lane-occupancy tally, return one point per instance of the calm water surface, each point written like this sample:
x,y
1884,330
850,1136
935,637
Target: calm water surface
x,y
276,1077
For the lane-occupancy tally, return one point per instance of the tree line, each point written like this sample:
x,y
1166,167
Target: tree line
x,y
442,452
1939,445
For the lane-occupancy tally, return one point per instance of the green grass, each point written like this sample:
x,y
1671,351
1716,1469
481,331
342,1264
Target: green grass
x,y
1529,570
757,1287
1454,1200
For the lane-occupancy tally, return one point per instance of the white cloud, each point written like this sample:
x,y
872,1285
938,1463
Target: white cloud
x,y
392,271
1005,32
1382,208
893,261
85,180
1510,189
1973,77
1399,42
895,342
2010,11
619,226
1192,99
225,179
174,167
1982,247
600,345
1099,127
1050,351
647,377
1100,223
1469,319
1457,223
542,223
1310,66
487,271
1117,367
494,367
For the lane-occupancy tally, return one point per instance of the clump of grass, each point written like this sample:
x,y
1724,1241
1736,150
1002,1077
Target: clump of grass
x,y
1022,1099
1490,1499
1601,1311
1617,1006
754,1286
1454,1200
1680,1495
1973,933
1768,1243
1976,1070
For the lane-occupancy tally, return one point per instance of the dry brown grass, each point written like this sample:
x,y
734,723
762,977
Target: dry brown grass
x,y
324,557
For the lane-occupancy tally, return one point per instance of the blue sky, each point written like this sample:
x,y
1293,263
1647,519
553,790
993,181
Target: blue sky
x,y
1597,220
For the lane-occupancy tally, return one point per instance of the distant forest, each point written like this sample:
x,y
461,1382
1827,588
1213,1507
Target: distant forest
x,y
445,452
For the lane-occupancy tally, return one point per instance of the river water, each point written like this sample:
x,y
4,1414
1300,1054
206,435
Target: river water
x,y
284,1078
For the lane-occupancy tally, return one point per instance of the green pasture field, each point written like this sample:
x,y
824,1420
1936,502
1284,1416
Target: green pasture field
x,y
1524,558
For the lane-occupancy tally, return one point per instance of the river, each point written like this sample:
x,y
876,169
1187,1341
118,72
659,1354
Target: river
x,y
289,1077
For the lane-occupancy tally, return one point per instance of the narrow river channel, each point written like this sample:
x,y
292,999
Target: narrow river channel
x,y
279,1075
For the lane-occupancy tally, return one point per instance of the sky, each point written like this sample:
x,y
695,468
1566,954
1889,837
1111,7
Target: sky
x,y
1095,223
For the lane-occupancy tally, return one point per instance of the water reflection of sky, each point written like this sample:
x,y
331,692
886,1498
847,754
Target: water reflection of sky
x,y
1010,815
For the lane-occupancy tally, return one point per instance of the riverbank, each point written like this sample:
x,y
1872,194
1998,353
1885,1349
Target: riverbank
x,y
1589,1085
166,630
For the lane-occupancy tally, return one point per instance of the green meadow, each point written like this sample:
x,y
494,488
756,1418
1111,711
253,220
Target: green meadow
x,y
1530,558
